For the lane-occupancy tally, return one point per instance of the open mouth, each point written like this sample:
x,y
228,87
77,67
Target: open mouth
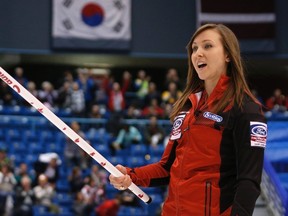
x,y
202,65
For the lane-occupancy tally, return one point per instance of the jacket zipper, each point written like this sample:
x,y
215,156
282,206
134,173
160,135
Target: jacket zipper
x,y
208,197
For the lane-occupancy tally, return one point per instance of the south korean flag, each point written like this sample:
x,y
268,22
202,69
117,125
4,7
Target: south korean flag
x,y
91,23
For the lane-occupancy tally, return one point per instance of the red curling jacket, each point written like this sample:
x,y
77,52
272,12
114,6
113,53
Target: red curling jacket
x,y
213,162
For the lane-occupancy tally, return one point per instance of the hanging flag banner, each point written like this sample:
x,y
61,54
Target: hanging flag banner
x,y
253,22
91,24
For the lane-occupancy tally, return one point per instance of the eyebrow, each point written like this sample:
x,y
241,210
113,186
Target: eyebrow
x,y
206,40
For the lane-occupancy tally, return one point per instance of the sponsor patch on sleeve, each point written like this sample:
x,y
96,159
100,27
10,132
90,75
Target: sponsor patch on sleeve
x,y
176,130
258,134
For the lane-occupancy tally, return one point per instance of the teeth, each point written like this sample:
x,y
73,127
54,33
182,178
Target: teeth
x,y
201,64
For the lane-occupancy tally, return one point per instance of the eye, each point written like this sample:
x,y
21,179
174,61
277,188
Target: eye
x,y
207,46
194,48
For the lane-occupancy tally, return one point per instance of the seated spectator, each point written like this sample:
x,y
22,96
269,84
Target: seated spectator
x,y
153,109
22,171
85,159
31,87
96,111
47,94
47,164
132,112
5,160
7,184
153,133
52,171
171,95
6,96
99,175
277,102
72,153
109,207
127,135
153,93
19,76
129,199
24,198
75,180
44,194
172,76
93,195
79,207
167,110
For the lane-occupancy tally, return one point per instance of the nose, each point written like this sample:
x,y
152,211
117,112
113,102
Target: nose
x,y
199,52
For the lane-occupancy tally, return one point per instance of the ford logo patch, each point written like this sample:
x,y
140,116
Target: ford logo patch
x,y
259,130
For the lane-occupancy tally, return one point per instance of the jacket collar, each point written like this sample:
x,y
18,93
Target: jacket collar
x,y
216,94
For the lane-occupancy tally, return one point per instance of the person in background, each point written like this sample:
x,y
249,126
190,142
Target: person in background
x,y
171,95
153,133
153,93
64,100
116,101
19,76
126,82
99,175
75,179
132,112
93,195
153,109
127,135
96,112
44,194
22,79
5,160
214,159
79,205
172,76
278,102
22,171
6,95
7,184
88,86
77,101
141,84
24,198
109,207
48,95
116,105
31,87
52,171
72,152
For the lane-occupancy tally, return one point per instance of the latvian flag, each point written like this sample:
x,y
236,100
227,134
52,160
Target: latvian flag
x,y
91,24
253,22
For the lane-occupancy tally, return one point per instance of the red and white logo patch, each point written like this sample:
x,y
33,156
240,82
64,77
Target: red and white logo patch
x,y
176,130
258,134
